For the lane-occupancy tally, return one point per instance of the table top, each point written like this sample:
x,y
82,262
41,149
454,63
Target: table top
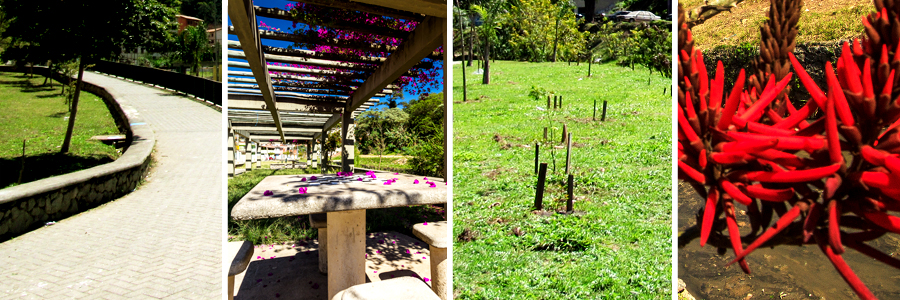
x,y
330,193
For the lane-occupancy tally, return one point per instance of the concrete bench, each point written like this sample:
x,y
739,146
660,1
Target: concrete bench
x,y
407,288
320,221
437,237
241,253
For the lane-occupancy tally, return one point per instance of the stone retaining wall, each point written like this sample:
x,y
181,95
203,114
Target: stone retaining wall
x,y
29,206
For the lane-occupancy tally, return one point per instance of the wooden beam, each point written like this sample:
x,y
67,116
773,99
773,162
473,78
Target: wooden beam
x,y
242,15
282,106
355,6
266,138
314,39
425,38
273,129
277,13
333,57
348,75
433,8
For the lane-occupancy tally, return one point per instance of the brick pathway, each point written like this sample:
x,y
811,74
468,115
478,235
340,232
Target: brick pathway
x,y
163,240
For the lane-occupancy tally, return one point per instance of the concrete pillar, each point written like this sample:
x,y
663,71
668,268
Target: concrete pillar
x,y
348,140
346,244
309,153
229,152
322,153
247,163
439,267
254,153
315,154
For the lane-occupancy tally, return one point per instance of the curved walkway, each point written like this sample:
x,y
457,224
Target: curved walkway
x,y
163,240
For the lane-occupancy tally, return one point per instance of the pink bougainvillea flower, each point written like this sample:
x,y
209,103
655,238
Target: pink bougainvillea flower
x,y
378,251
416,181
387,183
423,257
374,271
407,250
395,173
303,179
302,190
359,179
268,193
258,257
426,279
426,178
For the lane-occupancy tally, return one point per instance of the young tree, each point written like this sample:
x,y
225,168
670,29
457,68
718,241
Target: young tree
x,y
89,31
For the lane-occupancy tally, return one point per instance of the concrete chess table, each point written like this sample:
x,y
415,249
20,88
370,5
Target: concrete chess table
x,y
344,199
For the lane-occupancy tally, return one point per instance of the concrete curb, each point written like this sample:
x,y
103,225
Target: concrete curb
x,y
26,206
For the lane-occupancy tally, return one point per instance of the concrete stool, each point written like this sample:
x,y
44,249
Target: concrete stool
x,y
319,221
438,239
241,253
406,287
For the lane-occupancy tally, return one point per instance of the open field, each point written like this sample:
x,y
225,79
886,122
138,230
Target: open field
x,y
617,245
37,113
821,21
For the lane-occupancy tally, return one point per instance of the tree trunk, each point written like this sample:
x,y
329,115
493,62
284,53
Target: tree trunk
x,y
49,73
68,140
590,6
471,46
487,62
556,37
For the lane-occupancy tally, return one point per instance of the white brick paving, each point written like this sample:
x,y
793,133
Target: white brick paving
x,y
163,240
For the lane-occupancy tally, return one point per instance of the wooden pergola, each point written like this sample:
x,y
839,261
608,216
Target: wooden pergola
x,y
286,103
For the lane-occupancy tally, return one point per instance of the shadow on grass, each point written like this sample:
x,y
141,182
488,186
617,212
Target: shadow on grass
x,y
46,165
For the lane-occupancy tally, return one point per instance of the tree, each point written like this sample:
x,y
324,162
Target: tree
x,y
208,10
491,12
539,24
87,31
193,46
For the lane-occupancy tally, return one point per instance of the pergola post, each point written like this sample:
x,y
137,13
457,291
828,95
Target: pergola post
x,y
229,152
322,141
315,154
247,163
308,153
348,140
446,129
254,149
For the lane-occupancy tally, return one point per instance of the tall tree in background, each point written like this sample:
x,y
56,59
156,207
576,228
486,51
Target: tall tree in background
x,y
490,12
208,10
89,31
193,45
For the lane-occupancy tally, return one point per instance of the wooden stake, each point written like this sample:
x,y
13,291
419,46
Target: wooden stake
x,y
545,134
560,101
548,102
571,183
539,197
603,116
568,152
564,133
594,118
537,155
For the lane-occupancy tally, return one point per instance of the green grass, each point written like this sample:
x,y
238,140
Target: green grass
x,y
619,246
291,229
393,164
36,113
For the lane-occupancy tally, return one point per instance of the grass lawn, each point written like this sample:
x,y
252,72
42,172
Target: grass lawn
x,y
36,113
292,229
820,21
388,162
618,245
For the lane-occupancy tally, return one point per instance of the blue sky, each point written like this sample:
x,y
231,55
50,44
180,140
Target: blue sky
x,y
286,27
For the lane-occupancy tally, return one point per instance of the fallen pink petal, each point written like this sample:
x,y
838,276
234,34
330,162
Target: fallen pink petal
x,y
416,181
426,279
268,193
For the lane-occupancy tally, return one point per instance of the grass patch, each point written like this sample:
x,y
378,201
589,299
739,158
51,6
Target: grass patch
x,y
618,246
820,21
393,163
297,228
38,113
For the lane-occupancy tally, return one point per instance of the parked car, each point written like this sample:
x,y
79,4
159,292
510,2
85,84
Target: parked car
x,y
639,16
616,15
